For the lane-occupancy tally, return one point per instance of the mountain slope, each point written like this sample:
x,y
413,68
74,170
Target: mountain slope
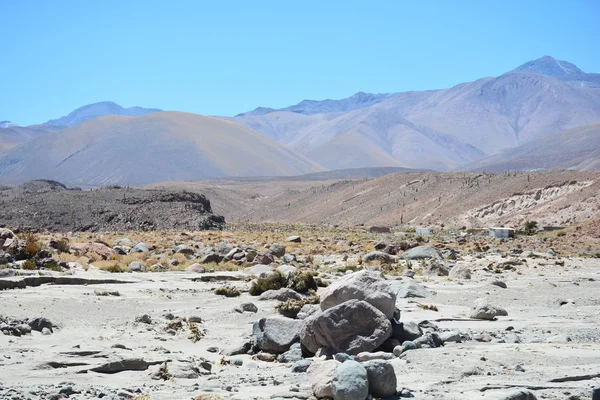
x,y
99,110
152,148
441,129
13,136
577,148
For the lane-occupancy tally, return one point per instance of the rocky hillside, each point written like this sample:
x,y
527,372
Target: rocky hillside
x,y
50,206
419,199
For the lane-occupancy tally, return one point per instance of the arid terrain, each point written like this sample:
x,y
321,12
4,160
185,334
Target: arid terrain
x,y
147,315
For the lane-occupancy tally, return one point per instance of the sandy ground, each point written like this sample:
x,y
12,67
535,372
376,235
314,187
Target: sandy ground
x,y
469,370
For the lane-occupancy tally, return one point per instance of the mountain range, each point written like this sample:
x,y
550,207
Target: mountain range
x,y
514,121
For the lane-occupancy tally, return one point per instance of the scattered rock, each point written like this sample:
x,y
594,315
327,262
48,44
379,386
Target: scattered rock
x,y
350,382
366,285
39,323
292,355
351,327
141,247
283,294
275,334
482,309
277,250
411,289
286,270
301,366
519,395
136,266
382,378
500,284
378,256
307,310
144,319
320,375
246,307
126,364
421,253
460,272
196,267
294,239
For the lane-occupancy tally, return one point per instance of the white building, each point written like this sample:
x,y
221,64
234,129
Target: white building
x,y
501,232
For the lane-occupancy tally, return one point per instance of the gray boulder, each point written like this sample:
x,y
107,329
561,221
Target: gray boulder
x,y
286,270
350,382
259,270
275,334
283,294
246,307
379,256
183,249
197,268
351,327
136,266
211,257
382,378
294,239
482,309
277,250
404,331
320,375
436,268
460,272
307,310
301,366
421,253
39,323
122,250
410,289
366,285
141,247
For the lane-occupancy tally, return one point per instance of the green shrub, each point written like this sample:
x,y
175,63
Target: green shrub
x,y
273,281
530,227
30,265
304,281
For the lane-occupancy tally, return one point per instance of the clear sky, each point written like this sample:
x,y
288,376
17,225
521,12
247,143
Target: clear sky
x,y
226,57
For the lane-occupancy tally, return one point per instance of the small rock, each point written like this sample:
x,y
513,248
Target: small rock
x,y
136,266
277,250
294,239
500,284
482,309
460,272
46,331
320,375
411,289
283,294
301,366
519,395
197,268
39,323
246,307
144,319
141,247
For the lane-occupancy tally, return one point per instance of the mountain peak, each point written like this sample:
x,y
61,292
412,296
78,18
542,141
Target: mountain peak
x,y
7,124
550,66
99,110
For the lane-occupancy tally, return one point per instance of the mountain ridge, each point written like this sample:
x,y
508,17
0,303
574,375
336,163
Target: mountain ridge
x,y
100,109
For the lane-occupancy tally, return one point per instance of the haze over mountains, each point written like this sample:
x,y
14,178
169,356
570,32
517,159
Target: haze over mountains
x,y
543,114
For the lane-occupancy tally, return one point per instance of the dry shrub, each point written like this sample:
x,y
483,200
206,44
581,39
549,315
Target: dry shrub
x,y
29,265
227,291
273,281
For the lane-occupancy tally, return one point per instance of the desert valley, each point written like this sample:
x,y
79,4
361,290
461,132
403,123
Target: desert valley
x,y
439,244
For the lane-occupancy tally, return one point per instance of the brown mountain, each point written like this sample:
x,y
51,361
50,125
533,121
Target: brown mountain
x,y
152,148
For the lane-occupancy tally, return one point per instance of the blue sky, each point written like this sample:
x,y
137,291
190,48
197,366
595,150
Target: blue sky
x,y
226,57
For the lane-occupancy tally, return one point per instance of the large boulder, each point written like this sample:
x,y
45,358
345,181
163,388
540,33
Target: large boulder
x,y
275,334
482,309
320,375
421,253
351,327
382,378
366,285
141,247
350,382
